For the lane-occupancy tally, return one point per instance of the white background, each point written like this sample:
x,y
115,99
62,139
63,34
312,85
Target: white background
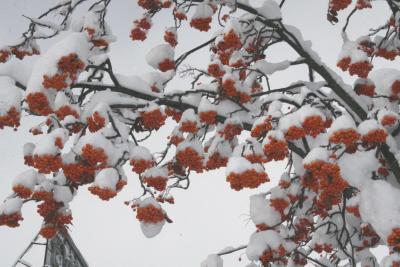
x,y
207,217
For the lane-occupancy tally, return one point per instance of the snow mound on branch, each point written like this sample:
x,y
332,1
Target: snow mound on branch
x,y
156,172
203,11
270,10
342,123
28,179
205,105
46,145
195,145
11,205
62,194
316,154
384,79
134,82
10,96
140,152
270,68
380,206
390,260
357,168
158,54
350,49
107,178
261,212
238,165
261,241
369,125
19,71
74,43
309,111
189,115
151,229
213,260
97,140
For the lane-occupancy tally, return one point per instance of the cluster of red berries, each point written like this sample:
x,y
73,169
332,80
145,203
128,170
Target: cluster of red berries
x,y
11,220
276,149
38,103
190,158
47,163
325,179
69,67
262,129
247,179
152,120
96,122
360,69
11,119
216,161
150,214
274,255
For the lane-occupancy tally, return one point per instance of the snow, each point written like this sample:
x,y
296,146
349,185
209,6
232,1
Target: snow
x,y
60,178
213,260
289,120
195,145
156,172
308,111
189,115
269,68
62,194
103,109
203,10
221,146
390,260
140,152
316,154
47,64
28,149
10,96
238,165
380,206
46,146
61,100
155,78
97,140
107,179
19,71
383,79
151,229
270,10
205,105
28,179
158,54
344,122
274,134
44,185
384,112
261,212
350,49
11,205
135,83
369,125
365,162
262,241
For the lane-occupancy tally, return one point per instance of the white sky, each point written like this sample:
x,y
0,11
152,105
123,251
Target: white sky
x,y
209,216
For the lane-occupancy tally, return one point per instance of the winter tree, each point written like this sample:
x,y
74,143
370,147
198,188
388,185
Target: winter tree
x,y
338,196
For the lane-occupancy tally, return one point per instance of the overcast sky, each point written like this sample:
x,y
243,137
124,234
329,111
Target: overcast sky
x,y
209,216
